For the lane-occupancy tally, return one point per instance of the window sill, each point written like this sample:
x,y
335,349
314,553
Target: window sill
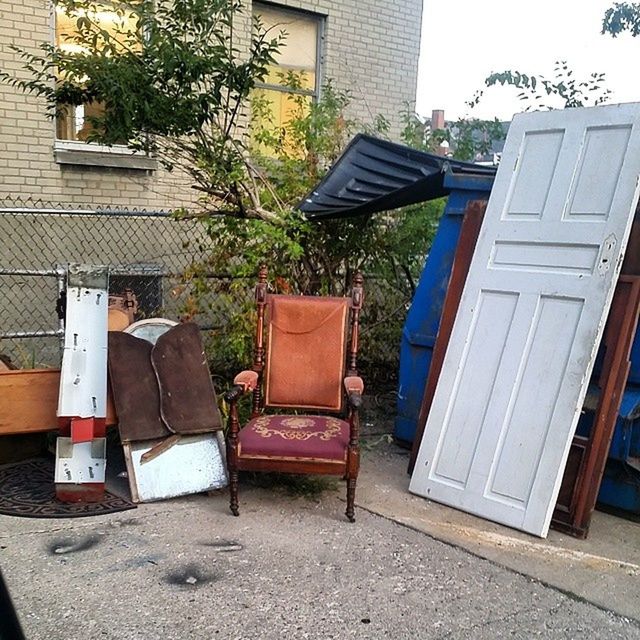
x,y
89,155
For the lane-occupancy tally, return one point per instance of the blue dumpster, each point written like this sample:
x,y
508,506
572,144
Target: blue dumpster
x,y
421,326
620,486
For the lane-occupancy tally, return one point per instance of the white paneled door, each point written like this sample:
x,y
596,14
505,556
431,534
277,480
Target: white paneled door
x,y
532,315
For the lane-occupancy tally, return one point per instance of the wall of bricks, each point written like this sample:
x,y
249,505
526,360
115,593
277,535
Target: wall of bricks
x,y
370,47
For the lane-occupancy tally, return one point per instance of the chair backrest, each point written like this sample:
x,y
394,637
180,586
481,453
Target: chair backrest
x,y
306,352
311,344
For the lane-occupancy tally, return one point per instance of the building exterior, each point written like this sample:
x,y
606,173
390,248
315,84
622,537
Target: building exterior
x,y
369,47
63,200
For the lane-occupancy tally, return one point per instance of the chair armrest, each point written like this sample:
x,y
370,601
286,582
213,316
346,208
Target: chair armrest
x,y
244,382
354,387
247,379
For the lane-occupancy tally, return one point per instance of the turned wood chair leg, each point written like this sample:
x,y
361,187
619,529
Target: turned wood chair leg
x,y
233,493
351,498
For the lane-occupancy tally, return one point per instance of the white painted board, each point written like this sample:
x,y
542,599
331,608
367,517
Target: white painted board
x,y
193,465
532,315
83,378
80,462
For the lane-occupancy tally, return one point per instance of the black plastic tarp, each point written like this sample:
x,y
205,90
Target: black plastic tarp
x,y
376,175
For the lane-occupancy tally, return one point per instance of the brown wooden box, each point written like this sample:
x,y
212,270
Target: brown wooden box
x,y
29,400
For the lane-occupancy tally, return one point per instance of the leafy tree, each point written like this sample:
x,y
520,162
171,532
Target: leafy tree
x,y
561,90
172,82
620,17
468,138
318,257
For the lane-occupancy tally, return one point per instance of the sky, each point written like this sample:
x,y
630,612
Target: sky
x,y
463,41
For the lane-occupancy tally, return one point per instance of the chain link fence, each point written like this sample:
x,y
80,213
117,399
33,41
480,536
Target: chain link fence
x,y
148,252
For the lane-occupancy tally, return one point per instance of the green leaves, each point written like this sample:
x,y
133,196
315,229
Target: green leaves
x,y
170,80
467,138
174,79
620,17
561,90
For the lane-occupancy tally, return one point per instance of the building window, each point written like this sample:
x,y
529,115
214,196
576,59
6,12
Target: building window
x,y
74,121
294,79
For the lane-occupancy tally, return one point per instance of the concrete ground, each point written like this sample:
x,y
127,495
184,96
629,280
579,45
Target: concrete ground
x,y
295,568
604,569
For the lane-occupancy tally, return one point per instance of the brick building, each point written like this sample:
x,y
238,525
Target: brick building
x,y
63,200
370,47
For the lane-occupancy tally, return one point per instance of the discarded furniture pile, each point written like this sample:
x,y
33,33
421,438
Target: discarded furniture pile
x,y
520,360
151,378
159,393
519,351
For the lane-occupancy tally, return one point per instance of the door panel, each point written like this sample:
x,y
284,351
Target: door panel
x,y
531,315
533,180
463,425
528,420
595,189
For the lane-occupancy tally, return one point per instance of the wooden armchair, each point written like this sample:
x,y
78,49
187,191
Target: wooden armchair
x,y
307,363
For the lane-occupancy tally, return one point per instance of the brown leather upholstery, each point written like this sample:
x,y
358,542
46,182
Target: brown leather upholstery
x,y
306,352
162,389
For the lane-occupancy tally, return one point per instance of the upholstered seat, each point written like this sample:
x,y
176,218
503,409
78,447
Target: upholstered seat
x,y
312,438
307,363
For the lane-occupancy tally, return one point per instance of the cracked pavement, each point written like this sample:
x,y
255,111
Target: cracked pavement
x,y
287,567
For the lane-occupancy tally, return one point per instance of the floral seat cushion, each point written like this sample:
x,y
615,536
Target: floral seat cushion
x,y
317,438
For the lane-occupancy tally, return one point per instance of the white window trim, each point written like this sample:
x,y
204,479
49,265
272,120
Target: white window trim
x,y
74,152
94,147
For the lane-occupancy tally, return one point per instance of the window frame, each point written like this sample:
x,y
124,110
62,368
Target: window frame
x,y
82,153
320,20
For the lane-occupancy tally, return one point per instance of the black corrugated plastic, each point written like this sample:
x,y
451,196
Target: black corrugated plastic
x,y
376,175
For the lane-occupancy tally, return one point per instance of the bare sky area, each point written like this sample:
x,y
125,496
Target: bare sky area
x,y
463,41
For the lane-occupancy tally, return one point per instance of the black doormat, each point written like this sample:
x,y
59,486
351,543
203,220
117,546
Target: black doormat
x,y
27,490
